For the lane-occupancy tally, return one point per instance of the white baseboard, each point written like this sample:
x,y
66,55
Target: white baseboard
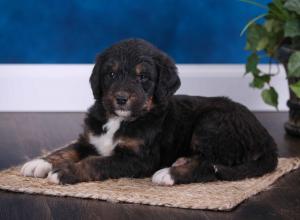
x,y
65,87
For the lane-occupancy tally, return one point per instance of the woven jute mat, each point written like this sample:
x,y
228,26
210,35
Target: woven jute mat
x,y
215,195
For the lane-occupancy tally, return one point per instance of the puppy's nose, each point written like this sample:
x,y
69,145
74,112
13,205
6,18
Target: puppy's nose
x,y
121,99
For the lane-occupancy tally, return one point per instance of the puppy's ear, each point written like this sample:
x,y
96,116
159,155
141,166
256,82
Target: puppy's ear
x,y
95,79
168,81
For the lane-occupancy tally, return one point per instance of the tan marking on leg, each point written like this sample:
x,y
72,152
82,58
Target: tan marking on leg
x,y
62,156
181,161
185,169
85,171
133,144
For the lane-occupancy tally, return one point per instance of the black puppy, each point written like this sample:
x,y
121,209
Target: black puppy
x,y
138,128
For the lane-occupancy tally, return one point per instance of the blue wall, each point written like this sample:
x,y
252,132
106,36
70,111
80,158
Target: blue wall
x,y
63,31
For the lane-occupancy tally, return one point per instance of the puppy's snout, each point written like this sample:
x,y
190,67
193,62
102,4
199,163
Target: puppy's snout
x,y
122,98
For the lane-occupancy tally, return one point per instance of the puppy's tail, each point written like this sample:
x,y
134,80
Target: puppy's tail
x,y
254,168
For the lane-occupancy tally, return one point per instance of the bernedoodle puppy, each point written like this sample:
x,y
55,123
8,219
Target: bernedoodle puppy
x,y
138,128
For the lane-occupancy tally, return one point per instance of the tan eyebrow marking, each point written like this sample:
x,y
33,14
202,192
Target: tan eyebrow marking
x,y
115,66
139,68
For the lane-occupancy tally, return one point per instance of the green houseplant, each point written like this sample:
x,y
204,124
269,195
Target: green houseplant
x,y
277,37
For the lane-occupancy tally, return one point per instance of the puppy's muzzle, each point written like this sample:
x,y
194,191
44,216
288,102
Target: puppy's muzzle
x,y
121,98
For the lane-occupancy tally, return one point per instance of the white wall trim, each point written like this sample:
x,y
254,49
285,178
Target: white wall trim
x,y
65,87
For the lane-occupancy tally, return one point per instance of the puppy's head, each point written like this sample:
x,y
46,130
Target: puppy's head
x,y
131,77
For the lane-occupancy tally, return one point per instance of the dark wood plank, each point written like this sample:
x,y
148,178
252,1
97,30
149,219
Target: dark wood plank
x,y
27,135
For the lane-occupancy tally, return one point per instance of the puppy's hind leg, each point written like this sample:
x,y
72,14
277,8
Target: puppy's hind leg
x,y
185,170
254,168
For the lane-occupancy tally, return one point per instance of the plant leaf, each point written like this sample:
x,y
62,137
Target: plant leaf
x,y
262,43
269,25
294,65
259,81
293,5
247,46
276,12
273,25
255,34
292,28
280,9
270,96
296,42
251,65
266,78
296,88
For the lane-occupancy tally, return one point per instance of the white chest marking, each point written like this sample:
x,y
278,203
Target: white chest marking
x,y
104,143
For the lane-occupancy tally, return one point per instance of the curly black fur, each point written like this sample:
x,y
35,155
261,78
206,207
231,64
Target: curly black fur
x,y
219,139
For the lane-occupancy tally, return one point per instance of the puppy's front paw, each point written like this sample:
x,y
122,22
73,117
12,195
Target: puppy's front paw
x,y
36,168
64,175
163,177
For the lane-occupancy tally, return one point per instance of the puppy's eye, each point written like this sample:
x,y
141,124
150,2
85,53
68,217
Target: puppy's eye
x,y
112,75
142,77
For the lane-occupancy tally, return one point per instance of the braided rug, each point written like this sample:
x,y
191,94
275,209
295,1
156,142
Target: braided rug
x,y
214,196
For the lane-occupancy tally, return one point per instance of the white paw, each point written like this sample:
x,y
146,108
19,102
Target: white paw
x,y
36,168
163,177
53,178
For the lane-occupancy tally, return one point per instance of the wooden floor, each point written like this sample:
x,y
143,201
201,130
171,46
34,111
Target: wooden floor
x,y
27,135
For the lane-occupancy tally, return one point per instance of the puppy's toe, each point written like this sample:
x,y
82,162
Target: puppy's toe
x,y
53,177
36,168
163,177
